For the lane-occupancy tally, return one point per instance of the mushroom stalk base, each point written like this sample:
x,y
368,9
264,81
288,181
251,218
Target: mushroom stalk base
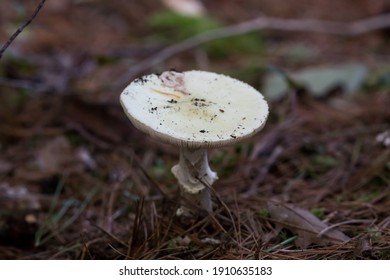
x,y
193,173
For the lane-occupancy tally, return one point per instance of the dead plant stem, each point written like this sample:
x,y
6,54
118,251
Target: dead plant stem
x,y
21,28
296,25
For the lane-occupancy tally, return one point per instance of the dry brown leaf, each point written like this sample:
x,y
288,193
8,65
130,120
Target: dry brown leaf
x,y
309,228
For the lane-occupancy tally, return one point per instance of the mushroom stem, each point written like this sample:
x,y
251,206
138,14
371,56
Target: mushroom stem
x,y
193,173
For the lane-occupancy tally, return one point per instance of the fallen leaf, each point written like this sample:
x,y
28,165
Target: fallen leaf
x,y
309,228
318,81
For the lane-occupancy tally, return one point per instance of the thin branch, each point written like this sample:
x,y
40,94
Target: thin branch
x,y
263,171
356,221
297,25
20,29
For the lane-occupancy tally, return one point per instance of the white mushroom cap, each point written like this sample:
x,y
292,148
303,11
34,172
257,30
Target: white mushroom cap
x,y
194,109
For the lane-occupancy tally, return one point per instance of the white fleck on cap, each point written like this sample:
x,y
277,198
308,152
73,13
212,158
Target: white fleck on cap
x,y
194,109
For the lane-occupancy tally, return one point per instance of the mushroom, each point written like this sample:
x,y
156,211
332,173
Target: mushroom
x,y
194,110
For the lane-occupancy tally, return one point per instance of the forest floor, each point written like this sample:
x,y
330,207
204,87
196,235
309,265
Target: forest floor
x,y
78,181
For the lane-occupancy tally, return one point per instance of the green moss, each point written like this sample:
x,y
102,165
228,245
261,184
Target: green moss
x,y
20,65
224,163
250,72
378,79
74,138
374,233
161,171
171,27
367,197
319,212
264,213
249,43
319,164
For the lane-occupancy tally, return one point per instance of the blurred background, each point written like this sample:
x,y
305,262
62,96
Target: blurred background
x,y
78,181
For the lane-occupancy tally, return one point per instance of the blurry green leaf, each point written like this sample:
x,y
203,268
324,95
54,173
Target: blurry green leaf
x,y
374,233
20,65
218,157
249,72
249,43
320,164
319,212
367,197
264,213
161,170
225,163
379,78
324,161
174,27
318,81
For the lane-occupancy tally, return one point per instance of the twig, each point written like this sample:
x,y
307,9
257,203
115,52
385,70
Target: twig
x,y
117,239
297,25
356,221
263,171
20,29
